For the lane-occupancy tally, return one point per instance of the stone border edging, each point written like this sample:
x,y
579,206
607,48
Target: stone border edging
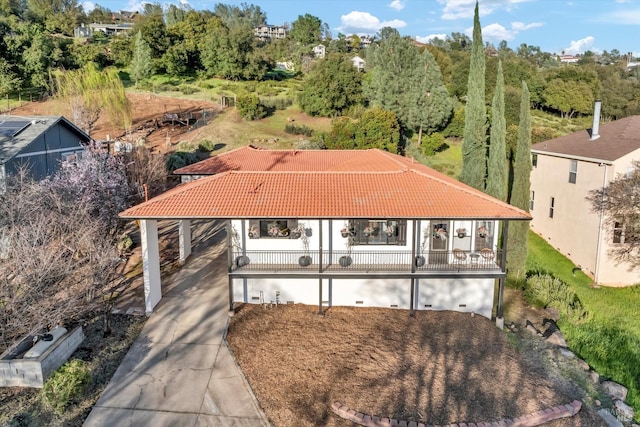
x,y
529,420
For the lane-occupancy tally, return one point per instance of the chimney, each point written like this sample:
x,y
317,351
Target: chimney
x,y
596,121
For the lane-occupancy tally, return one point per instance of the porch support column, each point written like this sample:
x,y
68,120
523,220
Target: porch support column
x,y
184,231
414,243
320,266
500,309
230,261
150,264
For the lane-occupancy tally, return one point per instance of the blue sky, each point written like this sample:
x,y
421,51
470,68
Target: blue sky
x,y
554,25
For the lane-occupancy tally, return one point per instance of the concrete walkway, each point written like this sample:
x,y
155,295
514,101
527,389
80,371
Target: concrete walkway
x,y
179,371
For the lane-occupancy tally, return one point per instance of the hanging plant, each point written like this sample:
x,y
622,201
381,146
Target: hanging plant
x,y
461,232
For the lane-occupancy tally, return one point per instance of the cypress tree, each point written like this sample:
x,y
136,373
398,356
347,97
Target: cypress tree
x,y
497,167
520,192
141,67
474,166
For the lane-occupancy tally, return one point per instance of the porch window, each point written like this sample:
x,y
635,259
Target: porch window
x,y
272,228
379,232
484,235
573,171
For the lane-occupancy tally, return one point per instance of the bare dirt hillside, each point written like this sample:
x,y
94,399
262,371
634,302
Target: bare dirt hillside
x,y
149,115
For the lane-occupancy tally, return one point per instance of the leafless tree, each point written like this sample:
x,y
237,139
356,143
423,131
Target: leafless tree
x,y
620,202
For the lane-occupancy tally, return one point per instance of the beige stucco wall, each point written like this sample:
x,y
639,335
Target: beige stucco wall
x,y
610,271
575,229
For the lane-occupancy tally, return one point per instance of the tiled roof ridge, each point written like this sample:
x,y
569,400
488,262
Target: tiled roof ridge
x,y
469,190
323,172
394,157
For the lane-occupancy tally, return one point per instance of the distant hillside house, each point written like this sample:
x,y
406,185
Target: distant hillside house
x,y
568,59
108,29
270,32
565,171
38,144
319,51
358,63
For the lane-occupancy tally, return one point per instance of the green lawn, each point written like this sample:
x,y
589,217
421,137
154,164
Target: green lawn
x,y
609,340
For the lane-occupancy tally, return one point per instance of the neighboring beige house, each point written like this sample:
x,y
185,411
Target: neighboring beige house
x,y
565,170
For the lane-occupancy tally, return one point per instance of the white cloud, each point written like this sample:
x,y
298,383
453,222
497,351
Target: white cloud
x,y
519,26
463,9
624,17
88,6
397,4
364,22
579,46
497,32
427,39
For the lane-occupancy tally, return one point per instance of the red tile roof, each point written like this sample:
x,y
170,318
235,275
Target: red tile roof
x,y
617,139
250,158
355,184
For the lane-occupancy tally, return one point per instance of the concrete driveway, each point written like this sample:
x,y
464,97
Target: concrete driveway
x,y
179,371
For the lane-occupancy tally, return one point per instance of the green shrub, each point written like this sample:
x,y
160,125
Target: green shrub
x,y
432,144
298,130
66,384
277,103
250,108
546,290
188,89
206,146
455,128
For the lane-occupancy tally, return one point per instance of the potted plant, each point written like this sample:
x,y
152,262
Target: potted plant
x,y
346,260
242,259
461,232
305,260
420,259
482,231
390,230
370,230
347,231
254,232
440,233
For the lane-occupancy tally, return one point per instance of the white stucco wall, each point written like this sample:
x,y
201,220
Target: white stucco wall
x,y
466,295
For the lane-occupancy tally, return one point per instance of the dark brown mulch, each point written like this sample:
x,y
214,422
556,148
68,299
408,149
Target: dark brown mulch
x,y
439,367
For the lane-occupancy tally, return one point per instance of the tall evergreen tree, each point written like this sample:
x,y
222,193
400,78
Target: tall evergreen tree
x,y
141,66
408,83
520,191
474,166
497,167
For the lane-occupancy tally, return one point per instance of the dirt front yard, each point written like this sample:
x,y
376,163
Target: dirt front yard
x,y
439,367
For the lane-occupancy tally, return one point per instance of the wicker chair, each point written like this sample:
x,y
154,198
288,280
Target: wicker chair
x,y
459,255
487,254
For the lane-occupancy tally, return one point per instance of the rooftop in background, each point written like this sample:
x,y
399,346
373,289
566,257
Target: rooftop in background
x,y
617,138
256,183
17,132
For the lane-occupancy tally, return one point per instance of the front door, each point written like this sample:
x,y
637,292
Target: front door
x,y
439,242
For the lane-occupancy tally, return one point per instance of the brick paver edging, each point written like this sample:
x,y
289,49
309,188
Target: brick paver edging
x,y
529,420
